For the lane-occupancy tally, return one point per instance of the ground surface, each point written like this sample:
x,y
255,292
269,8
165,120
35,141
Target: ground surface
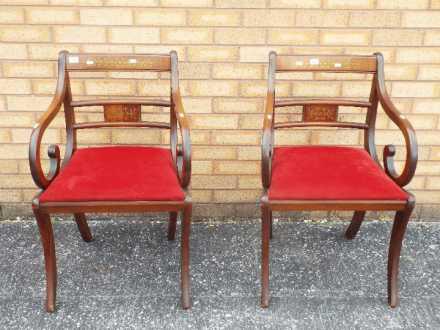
x,y
128,277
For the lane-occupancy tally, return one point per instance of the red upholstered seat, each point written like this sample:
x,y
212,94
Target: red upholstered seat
x,y
116,174
329,173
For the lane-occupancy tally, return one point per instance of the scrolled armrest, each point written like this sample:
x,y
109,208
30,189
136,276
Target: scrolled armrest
x,y
182,153
405,127
267,142
40,179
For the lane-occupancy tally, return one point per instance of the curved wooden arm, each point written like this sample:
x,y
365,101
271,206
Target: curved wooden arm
x,y
184,150
40,179
181,154
405,127
267,140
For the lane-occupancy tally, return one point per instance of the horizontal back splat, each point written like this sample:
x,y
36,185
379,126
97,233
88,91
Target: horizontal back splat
x,y
122,112
320,112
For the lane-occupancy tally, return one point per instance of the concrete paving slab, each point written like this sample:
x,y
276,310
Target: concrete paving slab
x,y
128,277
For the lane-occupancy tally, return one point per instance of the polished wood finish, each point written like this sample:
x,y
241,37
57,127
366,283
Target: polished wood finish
x,y
265,246
405,127
118,113
359,64
47,239
325,101
181,152
184,257
343,124
83,227
110,206
103,102
355,224
326,63
397,233
320,112
122,113
172,226
99,124
337,205
121,62
40,179
271,224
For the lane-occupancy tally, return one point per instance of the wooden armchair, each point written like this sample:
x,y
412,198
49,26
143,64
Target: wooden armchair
x,y
113,178
335,177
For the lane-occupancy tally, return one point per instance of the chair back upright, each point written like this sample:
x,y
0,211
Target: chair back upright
x,y
324,112
118,112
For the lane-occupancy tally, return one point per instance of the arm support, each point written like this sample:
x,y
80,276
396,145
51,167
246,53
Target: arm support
x,y
405,127
181,154
40,179
267,141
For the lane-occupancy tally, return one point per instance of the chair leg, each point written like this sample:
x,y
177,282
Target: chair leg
x,y
397,233
271,224
355,224
265,238
83,227
185,277
172,226
47,239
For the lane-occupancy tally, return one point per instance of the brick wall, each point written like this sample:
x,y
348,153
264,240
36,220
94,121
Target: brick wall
x,y
223,49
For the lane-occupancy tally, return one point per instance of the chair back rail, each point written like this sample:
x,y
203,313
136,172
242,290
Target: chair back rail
x,y
336,101
98,102
341,124
100,124
327,63
121,62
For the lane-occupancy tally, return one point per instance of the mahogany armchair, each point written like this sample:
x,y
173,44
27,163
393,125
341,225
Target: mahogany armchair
x,y
113,178
335,177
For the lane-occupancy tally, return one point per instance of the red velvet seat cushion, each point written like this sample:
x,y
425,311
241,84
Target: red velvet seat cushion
x,y
329,173
116,174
